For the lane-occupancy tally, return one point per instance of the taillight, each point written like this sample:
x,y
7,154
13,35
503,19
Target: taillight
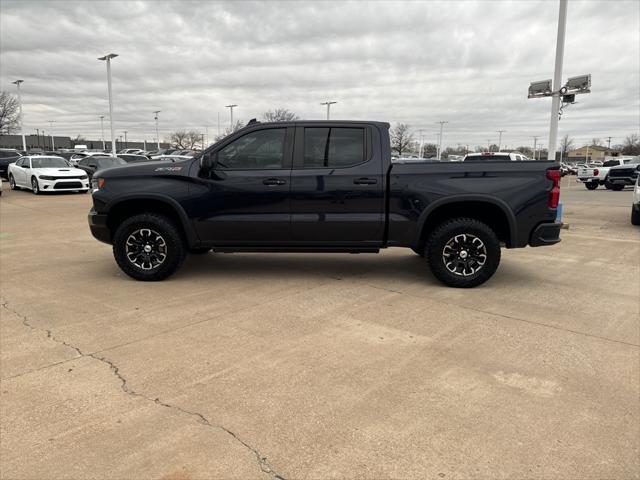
x,y
596,172
554,194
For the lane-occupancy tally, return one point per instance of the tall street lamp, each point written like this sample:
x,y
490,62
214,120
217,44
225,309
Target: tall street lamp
x,y
108,58
102,130
156,112
231,107
328,104
53,142
24,141
442,122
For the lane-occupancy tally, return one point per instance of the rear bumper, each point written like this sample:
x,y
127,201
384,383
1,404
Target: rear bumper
x,y
98,226
545,234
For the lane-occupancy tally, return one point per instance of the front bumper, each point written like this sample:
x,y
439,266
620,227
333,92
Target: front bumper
x,y
545,234
98,226
63,185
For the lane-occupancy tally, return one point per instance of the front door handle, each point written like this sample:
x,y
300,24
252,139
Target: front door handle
x,y
273,182
365,181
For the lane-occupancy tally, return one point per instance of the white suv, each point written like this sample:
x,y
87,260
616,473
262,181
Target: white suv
x,y
496,157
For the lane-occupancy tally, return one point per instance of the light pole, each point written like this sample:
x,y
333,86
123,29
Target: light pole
x,y
156,112
442,122
125,138
500,139
24,141
231,107
53,142
102,130
535,140
421,142
557,79
108,58
328,104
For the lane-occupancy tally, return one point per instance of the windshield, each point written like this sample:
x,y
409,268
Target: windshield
x,y
49,162
109,162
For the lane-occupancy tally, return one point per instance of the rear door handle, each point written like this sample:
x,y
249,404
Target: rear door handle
x,y
365,181
273,181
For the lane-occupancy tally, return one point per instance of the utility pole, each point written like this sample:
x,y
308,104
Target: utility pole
x,y
156,112
102,130
231,107
125,139
24,141
328,103
609,143
557,79
108,58
535,140
53,142
421,142
38,137
500,132
442,122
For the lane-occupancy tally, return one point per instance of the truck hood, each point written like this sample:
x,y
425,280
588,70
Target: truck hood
x,y
146,169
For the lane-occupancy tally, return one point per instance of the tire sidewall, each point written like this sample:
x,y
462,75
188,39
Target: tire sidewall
x,y
12,183
169,232
35,186
439,238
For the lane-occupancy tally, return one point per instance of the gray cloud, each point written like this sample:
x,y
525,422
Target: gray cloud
x,y
468,62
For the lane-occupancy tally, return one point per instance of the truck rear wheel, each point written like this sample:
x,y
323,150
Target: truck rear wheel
x,y
591,185
635,216
148,247
463,252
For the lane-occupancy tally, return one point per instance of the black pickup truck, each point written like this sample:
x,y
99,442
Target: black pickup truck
x,y
323,186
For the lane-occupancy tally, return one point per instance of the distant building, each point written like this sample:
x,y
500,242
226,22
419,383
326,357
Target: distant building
x,y
594,152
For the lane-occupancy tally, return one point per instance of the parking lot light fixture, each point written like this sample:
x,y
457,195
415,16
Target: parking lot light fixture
x,y
108,58
231,107
328,103
156,112
442,122
24,141
500,132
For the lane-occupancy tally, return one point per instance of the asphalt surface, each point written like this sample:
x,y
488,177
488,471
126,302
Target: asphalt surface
x,y
318,366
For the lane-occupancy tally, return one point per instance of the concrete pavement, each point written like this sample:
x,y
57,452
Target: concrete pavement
x,y
318,366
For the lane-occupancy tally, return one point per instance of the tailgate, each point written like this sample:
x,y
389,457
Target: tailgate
x,y
585,172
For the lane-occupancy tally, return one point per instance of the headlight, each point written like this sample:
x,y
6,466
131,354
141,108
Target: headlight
x,y
46,177
84,177
97,183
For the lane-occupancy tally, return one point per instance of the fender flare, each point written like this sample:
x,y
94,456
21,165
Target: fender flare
x,y
187,226
501,204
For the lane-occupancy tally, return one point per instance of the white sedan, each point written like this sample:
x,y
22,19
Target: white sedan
x,y
46,174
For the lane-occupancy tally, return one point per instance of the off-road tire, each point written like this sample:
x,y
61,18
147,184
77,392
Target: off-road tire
x,y
616,187
12,183
174,249
635,216
591,185
447,232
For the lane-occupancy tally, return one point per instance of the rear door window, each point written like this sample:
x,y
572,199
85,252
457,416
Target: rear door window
x,y
337,147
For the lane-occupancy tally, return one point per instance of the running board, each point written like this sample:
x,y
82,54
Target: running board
x,y
296,249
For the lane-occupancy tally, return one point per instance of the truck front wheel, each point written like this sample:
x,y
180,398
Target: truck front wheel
x,y
148,247
463,252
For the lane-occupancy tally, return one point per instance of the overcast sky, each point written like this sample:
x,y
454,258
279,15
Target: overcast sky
x,y
467,62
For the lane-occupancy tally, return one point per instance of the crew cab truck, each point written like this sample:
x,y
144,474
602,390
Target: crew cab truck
x,y
323,186
594,175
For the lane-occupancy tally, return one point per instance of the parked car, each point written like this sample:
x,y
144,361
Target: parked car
x,y
593,175
129,150
171,158
635,204
333,190
7,156
495,157
44,174
80,155
623,175
96,162
130,158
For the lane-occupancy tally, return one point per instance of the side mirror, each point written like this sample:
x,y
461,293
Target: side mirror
x,y
207,162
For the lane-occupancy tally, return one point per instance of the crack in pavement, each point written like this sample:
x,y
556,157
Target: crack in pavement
x,y
263,462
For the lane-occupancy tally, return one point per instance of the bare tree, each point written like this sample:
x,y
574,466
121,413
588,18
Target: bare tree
x,y
279,115
187,139
429,150
631,145
9,113
229,130
596,142
401,138
566,145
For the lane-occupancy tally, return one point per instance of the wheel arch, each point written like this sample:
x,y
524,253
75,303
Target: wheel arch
x,y
125,207
489,210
